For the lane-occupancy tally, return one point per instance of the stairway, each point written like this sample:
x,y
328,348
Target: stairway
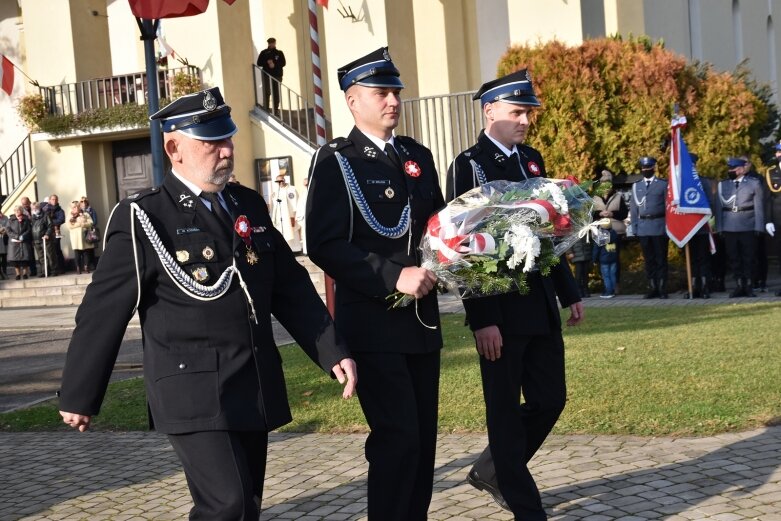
x,y
68,289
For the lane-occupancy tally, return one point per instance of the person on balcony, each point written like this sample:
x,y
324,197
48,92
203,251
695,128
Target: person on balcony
x,y
271,61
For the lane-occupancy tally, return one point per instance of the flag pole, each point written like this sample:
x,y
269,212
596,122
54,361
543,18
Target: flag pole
x,y
32,81
689,271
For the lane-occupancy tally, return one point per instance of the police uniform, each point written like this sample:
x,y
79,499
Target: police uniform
x,y
366,214
647,210
532,357
740,218
212,372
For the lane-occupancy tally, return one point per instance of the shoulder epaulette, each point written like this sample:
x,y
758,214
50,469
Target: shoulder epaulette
x,y
337,143
472,151
143,193
408,140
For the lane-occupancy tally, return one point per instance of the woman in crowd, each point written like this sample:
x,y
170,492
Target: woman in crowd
x,y
20,243
78,224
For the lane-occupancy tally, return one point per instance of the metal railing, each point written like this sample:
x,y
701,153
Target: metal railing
x,y
446,124
15,169
101,93
293,110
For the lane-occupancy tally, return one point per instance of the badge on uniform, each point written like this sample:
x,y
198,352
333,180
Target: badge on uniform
x,y
200,274
243,228
370,151
412,169
389,193
534,168
182,256
208,253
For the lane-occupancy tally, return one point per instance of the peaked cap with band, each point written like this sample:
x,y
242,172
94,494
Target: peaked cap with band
x,y
373,70
735,162
515,88
646,162
202,115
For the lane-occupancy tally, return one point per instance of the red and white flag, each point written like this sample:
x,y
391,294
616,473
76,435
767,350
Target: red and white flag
x,y
6,75
324,3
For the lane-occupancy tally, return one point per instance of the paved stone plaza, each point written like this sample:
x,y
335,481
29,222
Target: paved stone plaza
x,y
135,476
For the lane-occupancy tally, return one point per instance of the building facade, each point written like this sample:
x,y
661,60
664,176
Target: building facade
x,y
442,48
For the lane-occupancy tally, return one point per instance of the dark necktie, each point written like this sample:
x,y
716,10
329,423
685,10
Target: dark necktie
x,y
218,210
393,155
737,185
648,183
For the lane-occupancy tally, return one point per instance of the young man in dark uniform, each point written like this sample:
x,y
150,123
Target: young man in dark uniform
x,y
272,61
517,336
205,269
370,197
647,212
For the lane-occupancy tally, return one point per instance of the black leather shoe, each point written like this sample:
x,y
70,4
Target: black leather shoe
x,y
473,479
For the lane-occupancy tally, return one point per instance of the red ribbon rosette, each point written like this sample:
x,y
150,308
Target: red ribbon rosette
x,y
412,169
243,229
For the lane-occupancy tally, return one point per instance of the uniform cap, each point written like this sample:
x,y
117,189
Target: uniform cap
x,y
646,162
373,70
515,88
735,162
202,115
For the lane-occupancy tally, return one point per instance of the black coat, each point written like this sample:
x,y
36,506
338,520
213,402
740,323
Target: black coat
x,y
207,365
364,264
279,62
535,313
20,231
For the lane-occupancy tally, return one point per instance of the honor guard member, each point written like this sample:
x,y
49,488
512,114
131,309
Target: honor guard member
x,y
284,202
646,210
740,219
370,197
205,269
773,205
518,337
699,245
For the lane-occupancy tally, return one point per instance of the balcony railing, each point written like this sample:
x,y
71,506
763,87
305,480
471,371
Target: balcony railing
x,y
291,109
101,93
446,124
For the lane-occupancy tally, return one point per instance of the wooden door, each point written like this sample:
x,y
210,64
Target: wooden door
x,y
133,166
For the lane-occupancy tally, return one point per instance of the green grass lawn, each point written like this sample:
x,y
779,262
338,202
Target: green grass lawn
x,y
694,370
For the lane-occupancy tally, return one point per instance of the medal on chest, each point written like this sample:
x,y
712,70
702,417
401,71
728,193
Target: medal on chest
x,y
244,230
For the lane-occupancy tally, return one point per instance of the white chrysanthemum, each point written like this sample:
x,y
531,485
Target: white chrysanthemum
x,y
525,245
552,193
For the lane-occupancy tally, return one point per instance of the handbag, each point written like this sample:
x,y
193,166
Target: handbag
x,y
92,236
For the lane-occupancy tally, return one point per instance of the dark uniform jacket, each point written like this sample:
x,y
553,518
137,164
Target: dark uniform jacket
x,y
773,197
364,264
279,62
207,365
535,313
647,207
741,211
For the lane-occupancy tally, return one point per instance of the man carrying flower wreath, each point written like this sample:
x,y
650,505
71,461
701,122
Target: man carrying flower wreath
x,y
518,336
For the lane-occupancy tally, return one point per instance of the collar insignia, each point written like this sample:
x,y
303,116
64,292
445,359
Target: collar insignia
x,y
370,151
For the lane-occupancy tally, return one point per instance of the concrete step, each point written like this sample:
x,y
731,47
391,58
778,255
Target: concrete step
x,y
68,289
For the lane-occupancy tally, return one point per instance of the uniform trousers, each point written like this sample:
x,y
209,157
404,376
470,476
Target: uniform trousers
x,y
699,247
534,366
399,395
741,247
224,471
655,256
759,272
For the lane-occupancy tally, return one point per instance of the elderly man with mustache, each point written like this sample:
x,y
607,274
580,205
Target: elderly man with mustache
x,y
200,261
